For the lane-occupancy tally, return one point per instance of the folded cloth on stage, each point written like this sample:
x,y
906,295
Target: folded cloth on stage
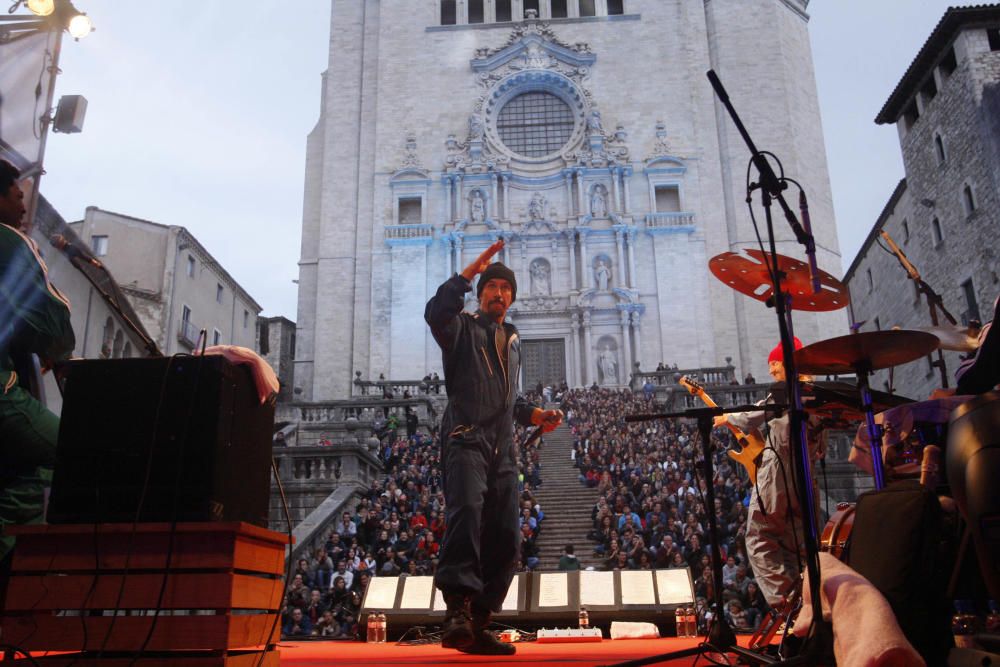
x,y
633,630
263,374
865,631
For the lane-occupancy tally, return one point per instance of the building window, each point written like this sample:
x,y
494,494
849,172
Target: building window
x,y
219,291
503,10
99,244
559,9
939,149
968,200
530,5
107,337
936,234
911,114
993,36
929,89
906,231
116,348
616,7
948,63
971,305
668,199
535,124
871,283
448,14
264,334
476,14
190,266
185,315
410,211
878,324
216,336
127,351
246,319
588,8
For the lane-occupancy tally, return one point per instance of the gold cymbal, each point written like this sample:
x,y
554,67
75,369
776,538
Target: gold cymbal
x,y
868,351
951,337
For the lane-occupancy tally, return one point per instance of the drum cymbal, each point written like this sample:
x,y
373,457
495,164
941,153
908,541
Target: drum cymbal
x,y
951,337
749,276
868,351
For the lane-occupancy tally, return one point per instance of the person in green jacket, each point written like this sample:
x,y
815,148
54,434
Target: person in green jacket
x,y
569,561
34,318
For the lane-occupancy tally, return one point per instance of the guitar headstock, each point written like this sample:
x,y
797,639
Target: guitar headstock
x,y
691,385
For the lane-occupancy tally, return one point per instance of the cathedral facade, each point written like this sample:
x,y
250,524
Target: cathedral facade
x,y
586,135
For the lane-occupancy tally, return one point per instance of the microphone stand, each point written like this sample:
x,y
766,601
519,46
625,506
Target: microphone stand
x,y
721,637
771,188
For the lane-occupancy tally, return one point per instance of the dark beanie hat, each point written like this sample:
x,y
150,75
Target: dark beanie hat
x,y
497,270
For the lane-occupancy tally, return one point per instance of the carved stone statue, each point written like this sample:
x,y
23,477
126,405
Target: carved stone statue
x,y
541,284
536,207
602,274
598,206
594,122
478,206
608,365
475,127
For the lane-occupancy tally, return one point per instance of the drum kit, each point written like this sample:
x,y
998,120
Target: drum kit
x,y
907,425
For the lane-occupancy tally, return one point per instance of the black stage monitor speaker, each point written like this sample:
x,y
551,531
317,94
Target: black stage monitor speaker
x,y
184,436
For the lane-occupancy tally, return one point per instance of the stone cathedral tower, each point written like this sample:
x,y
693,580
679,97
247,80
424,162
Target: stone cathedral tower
x,y
585,133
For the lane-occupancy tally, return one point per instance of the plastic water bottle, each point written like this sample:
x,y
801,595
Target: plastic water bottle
x,y
692,623
963,624
372,635
680,621
584,619
993,619
383,624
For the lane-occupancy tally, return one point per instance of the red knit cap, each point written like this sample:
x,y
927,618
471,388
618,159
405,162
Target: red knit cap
x,y
777,354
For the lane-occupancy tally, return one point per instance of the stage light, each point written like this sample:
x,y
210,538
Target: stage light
x,y
42,7
80,26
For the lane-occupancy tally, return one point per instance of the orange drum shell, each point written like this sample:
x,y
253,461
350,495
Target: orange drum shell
x,y
837,532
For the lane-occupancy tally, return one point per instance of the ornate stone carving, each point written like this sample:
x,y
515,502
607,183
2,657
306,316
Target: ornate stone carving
x,y
602,275
541,282
661,146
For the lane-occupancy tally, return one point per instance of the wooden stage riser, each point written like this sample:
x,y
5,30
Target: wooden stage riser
x,y
270,659
90,591
128,633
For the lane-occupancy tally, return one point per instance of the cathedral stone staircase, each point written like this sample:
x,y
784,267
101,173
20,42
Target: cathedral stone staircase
x,y
566,503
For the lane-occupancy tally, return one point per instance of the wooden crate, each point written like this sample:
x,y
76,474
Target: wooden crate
x,y
68,582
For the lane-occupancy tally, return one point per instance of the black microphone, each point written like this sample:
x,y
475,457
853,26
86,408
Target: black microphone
x,y
811,245
72,251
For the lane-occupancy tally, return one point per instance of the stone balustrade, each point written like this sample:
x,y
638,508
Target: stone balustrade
x,y
377,388
671,219
669,377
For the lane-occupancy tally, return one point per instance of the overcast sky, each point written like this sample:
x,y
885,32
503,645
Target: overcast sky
x,y
198,115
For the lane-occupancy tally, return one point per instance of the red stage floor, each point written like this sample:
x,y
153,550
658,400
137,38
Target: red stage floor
x,y
360,654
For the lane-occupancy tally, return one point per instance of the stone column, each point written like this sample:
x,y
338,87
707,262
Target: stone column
x,y
574,352
494,208
625,192
448,215
636,321
459,264
630,236
459,199
506,197
568,177
581,206
451,255
616,173
588,353
619,243
588,270
626,347
517,9
571,247
573,8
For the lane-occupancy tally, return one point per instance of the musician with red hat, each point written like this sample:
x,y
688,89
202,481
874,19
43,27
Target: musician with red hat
x,y
774,530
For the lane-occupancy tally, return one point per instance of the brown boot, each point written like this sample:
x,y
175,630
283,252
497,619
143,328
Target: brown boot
x,y
485,642
457,629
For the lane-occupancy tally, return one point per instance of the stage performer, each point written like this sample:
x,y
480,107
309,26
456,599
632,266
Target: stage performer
x,y
481,355
34,318
774,530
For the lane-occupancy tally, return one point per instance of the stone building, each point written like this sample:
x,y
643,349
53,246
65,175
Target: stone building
x,y
945,215
585,134
276,343
172,281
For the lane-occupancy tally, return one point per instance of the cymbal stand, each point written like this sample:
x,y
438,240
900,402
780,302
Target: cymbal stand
x,y
934,301
874,429
771,188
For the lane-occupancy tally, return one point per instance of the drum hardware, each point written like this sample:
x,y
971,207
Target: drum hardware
x,y
955,338
751,277
864,353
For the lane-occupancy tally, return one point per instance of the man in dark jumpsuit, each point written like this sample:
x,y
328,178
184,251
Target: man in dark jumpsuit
x,y
34,318
481,368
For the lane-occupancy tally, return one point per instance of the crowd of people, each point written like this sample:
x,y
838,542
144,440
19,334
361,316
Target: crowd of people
x,y
651,511
396,528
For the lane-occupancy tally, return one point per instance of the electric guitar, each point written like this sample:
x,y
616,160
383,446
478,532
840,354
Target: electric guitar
x,y
751,445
